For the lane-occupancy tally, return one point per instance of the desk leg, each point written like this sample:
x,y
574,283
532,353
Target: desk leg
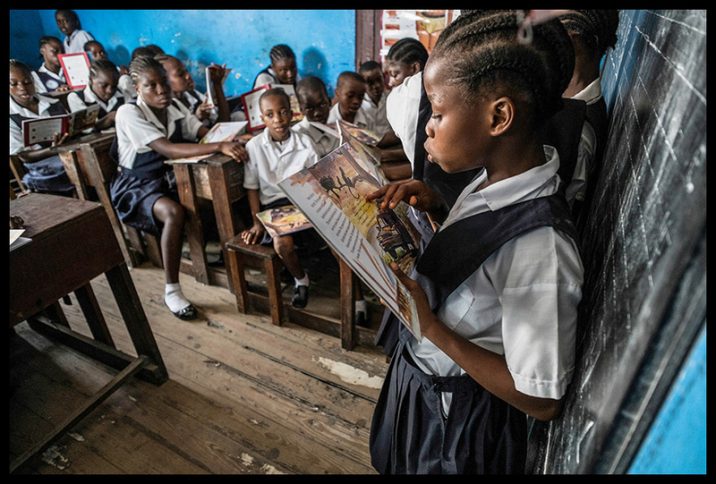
x,y
93,315
193,225
227,221
348,327
133,314
72,168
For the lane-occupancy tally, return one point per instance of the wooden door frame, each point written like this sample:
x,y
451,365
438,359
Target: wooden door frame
x,y
368,25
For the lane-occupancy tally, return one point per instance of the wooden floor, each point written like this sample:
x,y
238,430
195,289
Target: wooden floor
x,y
243,396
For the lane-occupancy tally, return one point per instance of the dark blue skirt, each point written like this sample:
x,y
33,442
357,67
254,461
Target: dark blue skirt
x,y
133,198
409,434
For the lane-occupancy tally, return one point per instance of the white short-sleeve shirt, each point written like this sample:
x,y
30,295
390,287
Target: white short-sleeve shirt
x,y
76,41
376,113
76,104
402,107
522,301
137,126
324,141
43,107
270,78
270,162
56,80
587,148
361,120
126,87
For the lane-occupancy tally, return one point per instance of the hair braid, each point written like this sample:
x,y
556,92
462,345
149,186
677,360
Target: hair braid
x,y
596,28
142,64
101,65
20,65
408,51
281,51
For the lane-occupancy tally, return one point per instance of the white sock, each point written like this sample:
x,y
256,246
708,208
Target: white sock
x,y
174,298
302,282
361,307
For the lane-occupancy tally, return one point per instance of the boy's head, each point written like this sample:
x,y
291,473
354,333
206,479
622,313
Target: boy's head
x,y
372,72
276,113
179,78
49,48
103,79
150,81
67,21
405,58
592,31
95,50
283,63
313,99
485,86
350,90
22,86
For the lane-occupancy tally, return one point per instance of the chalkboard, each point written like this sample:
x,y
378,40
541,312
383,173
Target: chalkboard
x,y
644,246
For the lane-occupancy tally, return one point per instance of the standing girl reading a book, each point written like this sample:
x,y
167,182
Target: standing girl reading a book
x,y
49,77
497,286
102,90
282,69
45,171
151,130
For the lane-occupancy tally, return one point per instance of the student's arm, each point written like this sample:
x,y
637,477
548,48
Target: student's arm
x,y
485,367
388,140
394,153
32,156
185,150
217,78
254,234
106,121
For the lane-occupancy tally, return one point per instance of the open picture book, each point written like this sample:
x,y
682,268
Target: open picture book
x,y
363,140
76,68
43,130
331,194
252,109
283,220
225,131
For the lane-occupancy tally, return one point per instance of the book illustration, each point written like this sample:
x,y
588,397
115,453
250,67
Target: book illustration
x,y
364,143
76,68
218,133
43,130
250,100
363,135
332,195
283,220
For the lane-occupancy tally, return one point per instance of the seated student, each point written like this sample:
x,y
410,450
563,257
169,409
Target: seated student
x,y
151,130
405,58
102,90
282,69
189,99
278,152
592,32
49,77
315,104
375,96
95,51
45,171
350,90
75,37
498,315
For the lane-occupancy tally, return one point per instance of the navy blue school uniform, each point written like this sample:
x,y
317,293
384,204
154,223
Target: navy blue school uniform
x,y
45,80
47,175
79,100
143,177
514,291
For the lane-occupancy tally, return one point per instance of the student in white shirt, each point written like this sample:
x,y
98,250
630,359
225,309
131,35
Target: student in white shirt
x,y
498,285
315,104
282,70
350,90
102,90
375,96
405,58
45,171
49,77
278,152
75,37
95,51
149,132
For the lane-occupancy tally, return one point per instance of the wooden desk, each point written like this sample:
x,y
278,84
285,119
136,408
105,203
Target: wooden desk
x,y
88,164
219,179
72,243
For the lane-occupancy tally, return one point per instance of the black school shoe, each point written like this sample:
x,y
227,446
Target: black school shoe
x,y
300,297
187,313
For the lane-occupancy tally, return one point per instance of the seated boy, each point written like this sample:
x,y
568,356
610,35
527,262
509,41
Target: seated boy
x,y
375,97
278,152
350,90
313,99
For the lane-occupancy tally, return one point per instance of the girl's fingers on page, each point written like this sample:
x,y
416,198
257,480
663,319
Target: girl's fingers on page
x,y
377,194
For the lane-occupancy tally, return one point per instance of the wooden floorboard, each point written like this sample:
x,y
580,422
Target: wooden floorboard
x,y
243,396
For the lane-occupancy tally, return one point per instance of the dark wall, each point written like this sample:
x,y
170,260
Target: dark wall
x,y
645,246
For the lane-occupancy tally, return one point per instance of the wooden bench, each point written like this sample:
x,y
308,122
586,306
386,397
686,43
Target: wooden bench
x,y
237,252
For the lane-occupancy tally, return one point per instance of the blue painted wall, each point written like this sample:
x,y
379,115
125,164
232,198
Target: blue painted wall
x,y
323,40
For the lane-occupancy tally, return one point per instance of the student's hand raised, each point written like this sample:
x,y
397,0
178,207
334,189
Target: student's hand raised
x,y
414,192
253,235
218,73
203,110
234,150
426,317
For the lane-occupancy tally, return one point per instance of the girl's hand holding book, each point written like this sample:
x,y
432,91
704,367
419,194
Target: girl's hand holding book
x,y
426,317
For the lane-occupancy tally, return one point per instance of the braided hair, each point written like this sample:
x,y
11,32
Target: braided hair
x,y
281,51
596,28
102,65
142,64
484,55
150,50
408,51
46,39
14,63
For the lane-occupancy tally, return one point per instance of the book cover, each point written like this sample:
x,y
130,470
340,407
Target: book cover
x,y
331,194
283,220
76,68
250,101
43,130
218,133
